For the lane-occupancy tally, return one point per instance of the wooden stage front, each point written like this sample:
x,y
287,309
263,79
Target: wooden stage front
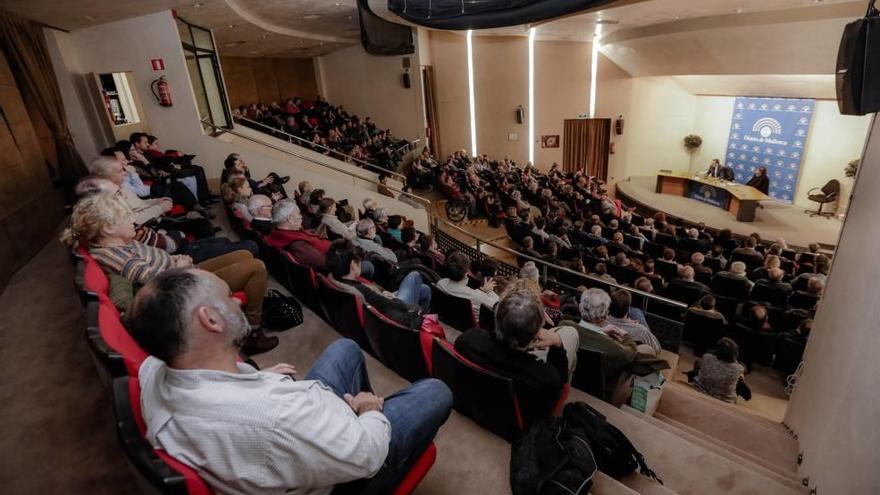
x,y
774,220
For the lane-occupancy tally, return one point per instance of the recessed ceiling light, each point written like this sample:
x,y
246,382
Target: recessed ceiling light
x,y
231,26
315,15
739,10
198,5
607,21
338,4
264,36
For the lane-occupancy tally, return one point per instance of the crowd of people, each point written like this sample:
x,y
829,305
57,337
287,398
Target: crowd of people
x,y
326,128
148,225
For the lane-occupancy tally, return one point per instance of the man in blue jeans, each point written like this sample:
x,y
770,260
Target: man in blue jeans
x,y
254,432
413,297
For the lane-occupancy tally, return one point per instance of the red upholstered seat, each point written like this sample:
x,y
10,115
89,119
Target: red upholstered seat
x,y
117,337
418,471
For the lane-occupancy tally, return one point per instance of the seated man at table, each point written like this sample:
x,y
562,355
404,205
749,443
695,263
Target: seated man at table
x,y
253,432
760,181
719,171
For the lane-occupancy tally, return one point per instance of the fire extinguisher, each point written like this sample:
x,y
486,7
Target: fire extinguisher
x,y
161,91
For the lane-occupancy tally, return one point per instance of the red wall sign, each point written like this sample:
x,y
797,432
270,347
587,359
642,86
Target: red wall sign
x,y
157,63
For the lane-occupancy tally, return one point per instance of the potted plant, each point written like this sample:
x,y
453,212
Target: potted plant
x,y
851,169
692,143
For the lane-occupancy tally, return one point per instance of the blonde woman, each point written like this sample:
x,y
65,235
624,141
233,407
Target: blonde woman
x,y
236,194
106,225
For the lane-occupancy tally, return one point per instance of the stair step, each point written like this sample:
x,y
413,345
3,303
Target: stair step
x,y
762,439
606,485
723,449
757,418
686,468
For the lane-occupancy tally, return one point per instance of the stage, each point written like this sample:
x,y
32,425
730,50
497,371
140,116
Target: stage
x,y
774,220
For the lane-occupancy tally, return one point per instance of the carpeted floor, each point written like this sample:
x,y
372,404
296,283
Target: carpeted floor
x,y
57,419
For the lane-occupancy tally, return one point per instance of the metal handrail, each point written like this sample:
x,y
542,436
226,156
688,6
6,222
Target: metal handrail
x,y
424,202
436,220
309,144
560,268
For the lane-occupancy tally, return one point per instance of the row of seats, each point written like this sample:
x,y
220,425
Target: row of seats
x,y
118,357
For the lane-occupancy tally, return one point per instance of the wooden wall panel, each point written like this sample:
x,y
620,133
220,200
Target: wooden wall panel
x,y
30,208
251,80
264,76
296,77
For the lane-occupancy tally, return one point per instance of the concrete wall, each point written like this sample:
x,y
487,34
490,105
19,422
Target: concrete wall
x,y
372,86
835,404
251,80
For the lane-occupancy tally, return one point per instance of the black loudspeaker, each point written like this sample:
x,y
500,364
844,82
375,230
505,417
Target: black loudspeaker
x,y
520,115
407,83
858,66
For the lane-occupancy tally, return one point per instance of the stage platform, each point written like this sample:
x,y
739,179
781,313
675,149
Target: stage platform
x,y
774,220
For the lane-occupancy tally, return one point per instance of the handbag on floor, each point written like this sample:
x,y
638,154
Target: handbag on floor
x,y
281,312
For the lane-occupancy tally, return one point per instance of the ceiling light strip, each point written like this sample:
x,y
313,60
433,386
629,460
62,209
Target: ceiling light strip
x,y
531,109
470,66
594,69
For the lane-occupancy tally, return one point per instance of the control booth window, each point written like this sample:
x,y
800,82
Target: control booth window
x,y
204,72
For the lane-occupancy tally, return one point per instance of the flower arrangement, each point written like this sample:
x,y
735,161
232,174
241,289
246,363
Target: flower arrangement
x,y
692,142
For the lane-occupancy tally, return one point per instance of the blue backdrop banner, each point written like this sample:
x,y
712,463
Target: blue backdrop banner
x,y
771,133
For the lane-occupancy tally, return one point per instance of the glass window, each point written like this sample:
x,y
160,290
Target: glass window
x,y
204,73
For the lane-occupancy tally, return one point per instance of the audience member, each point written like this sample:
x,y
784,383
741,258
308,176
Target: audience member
x,y
404,306
276,433
366,240
260,209
105,223
458,267
718,372
306,247
619,316
539,361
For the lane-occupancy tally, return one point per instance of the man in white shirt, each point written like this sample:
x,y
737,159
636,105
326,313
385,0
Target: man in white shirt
x,y
458,265
263,432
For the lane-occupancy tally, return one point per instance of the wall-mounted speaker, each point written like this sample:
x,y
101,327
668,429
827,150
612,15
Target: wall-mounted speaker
x,y
405,62
407,82
520,114
858,65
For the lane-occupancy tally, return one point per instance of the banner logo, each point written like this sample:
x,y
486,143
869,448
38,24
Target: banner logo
x,y
773,133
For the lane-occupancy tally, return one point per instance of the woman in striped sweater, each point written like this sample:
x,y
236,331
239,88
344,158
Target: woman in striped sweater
x,y
106,224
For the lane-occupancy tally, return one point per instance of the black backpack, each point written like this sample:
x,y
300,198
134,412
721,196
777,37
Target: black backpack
x,y
280,312
551,458
615,455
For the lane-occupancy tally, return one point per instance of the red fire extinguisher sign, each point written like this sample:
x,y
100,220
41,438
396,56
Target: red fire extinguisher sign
x,y
157,63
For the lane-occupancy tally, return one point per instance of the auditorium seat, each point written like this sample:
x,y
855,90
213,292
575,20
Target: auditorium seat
x,y
345,312
156,468
803,300
682,291
666,269
714,264
487,318
589,375
456,312
775,296
702,331
304,284
665,239
727,286
752,261
396,346
755,346
486,397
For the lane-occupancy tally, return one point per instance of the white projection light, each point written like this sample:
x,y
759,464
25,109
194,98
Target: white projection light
x,y
532,95
473,106
594,69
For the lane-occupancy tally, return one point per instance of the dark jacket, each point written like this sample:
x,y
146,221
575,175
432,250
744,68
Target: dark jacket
x,y
537,384
761,183
264,227
407,315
